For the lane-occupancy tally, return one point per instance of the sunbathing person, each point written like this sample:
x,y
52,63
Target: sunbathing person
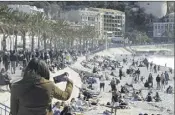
x,y
79,104
169,90
122,102
56,108
149,98
157,97
138,97
124,89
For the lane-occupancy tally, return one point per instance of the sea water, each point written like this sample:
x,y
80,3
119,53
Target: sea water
x,y
162,60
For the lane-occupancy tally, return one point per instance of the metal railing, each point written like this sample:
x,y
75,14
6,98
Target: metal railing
x,y
4,109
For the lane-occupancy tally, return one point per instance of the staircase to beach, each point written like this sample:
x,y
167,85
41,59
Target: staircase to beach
x,y
129,49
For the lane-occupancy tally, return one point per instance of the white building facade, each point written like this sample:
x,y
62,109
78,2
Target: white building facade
x,y
159,28
104,20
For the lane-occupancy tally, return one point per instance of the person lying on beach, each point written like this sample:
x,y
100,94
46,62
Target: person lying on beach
x,y
79,105
122,102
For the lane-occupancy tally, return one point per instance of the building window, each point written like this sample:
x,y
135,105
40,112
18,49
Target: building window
x,y
158,26
91,18
166,26
170,26
155,26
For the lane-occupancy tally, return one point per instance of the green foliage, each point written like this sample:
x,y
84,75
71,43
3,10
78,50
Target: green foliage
x,y
169,35
57,32
138,37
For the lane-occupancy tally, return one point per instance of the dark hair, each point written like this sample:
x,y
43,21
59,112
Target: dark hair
x,y
39,67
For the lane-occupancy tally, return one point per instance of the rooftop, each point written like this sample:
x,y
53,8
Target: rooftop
x,y
107,10
103,10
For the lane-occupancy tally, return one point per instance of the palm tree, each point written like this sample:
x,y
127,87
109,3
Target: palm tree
x,y
40,17
23,26
33,20
60,30
5,16
14,22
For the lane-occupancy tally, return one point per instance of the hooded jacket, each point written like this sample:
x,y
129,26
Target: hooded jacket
x,y
33,95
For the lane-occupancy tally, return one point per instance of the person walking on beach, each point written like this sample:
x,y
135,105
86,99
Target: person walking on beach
x,y
150,80
147,65
162,81
158,68
6,61
155,69
151,64
13,60
120,74
113,85
115,99
158,81
166,77
102,83
138,74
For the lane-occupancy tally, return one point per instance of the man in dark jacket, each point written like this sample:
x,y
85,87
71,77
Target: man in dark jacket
x,y
155,69
158,81
120,74
6,61
13,60
138,74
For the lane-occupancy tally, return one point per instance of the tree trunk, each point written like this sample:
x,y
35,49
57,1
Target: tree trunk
x,y
86,44
39,42
32,49
72,43
92,43
16,41
24,40
55,45
4,45
10,42
81,44
84,41
50,43
44,38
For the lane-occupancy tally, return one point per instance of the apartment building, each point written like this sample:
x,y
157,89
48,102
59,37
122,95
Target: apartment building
x,y
104,20
168,25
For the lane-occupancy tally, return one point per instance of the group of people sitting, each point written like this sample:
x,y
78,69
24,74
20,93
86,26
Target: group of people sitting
x,y
83,103
137,96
